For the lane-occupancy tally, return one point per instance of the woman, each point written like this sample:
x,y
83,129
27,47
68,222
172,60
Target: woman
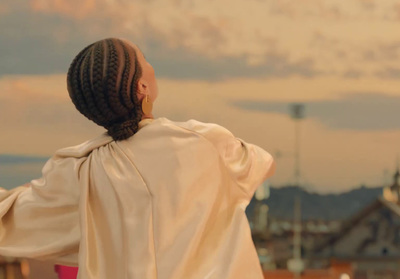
x,y
151,198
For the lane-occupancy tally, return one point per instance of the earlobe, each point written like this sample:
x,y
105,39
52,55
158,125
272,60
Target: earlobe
x,y
142,89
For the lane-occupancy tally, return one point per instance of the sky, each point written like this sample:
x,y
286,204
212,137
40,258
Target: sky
x,y
241,64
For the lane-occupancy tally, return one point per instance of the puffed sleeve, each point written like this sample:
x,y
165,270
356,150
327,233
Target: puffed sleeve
x,y
249,165
41,219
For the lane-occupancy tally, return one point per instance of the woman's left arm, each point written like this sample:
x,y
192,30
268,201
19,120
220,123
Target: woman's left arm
x,y
41,219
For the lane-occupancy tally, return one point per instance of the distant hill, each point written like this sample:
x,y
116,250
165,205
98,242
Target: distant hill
x,y
16,170
316,206
21,159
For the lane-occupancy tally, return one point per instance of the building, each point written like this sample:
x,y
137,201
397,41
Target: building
x,y
369,241
336,270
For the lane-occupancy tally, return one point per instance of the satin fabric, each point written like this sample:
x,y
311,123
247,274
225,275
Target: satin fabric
x,y
167,203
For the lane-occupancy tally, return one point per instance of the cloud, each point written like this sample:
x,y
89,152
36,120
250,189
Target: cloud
x,y
29,45
349,38
352,74
4,9
391,73
44,50
356,111
68,8
180,64
48,43
38,115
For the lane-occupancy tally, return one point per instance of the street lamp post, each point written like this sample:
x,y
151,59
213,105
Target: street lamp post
x,y
296,264
297,113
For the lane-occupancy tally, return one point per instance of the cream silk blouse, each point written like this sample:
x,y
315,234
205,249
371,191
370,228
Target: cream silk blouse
x,y
167,203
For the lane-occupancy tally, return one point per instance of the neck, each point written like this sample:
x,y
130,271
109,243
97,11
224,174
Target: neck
x,y
147,117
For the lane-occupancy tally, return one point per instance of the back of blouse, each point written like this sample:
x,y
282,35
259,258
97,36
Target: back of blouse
x,y
167,203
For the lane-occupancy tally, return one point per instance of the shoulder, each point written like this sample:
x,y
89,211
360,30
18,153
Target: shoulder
x,y
197,126
207,130
213,133
85,148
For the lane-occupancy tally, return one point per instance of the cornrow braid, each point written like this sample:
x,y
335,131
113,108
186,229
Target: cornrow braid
x,y
94,113
97,82
72,77
123,92
111,78
102,85
129,88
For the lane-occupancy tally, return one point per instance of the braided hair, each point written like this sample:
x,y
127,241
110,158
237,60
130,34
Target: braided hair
x,y
102,83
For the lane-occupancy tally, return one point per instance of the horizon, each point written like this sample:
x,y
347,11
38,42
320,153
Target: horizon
x,y
13,164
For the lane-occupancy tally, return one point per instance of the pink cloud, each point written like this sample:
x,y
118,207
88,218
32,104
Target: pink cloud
x,y
4,8
78,9
334,35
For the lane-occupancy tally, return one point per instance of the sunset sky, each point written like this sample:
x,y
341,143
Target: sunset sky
x,y
237,63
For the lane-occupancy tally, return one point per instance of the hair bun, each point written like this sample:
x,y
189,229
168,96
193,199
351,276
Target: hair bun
x,y
124,130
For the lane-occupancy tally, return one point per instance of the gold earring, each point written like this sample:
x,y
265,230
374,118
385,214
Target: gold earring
x,y
147,105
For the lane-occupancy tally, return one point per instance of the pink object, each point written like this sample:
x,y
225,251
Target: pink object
x,y
66,272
